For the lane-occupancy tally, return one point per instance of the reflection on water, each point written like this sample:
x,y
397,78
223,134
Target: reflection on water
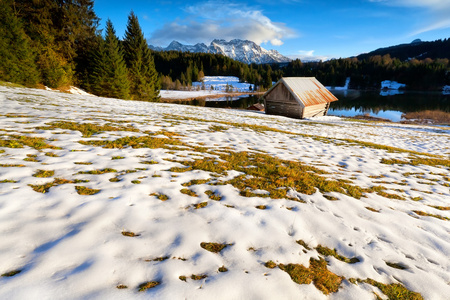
x,y
387,106
236,102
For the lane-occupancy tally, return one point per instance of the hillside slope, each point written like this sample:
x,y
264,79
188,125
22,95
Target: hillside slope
x,y
417,49
110,199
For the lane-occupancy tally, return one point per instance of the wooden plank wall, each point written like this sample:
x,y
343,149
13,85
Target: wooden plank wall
x,y
315,110
280,102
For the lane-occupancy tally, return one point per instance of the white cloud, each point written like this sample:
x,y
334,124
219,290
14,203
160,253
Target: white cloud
x,y
439,11
224,20
308,55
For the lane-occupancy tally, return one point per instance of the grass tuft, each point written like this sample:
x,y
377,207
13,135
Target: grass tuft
x,y
148,285
198,277
129,234
425,214
98,172
161,197
200,205
189,192
213,247
325,251
121,286
8,181
213,196
86,129
394,291
82,190
11,273
270,264
317,273
18,141
44,173
223,269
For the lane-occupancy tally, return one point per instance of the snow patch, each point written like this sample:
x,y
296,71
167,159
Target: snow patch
x,y
446,90
391,85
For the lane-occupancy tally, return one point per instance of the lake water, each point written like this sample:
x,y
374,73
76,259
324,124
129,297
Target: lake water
x,y
388,105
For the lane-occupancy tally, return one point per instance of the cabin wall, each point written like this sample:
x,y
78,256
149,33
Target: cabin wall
x,y
315,110
281,102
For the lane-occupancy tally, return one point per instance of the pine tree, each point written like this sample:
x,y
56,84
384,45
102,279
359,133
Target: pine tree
x,y
110,76
17,58
142,72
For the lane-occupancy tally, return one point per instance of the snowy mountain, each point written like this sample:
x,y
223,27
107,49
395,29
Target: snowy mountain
x,y
241,50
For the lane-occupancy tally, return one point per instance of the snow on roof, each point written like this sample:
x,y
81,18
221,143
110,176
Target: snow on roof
x,y
307,90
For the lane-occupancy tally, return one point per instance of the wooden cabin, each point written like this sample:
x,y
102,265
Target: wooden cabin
x,y
298,97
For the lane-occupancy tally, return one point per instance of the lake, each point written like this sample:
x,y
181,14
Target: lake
x,y
387,105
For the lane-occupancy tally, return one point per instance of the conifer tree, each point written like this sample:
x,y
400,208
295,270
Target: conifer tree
x,y
17,58
142,73
110,76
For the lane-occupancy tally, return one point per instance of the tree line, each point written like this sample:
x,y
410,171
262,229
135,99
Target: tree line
x,y
57,43
367,74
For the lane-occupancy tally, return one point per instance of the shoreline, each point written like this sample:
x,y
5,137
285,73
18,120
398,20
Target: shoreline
x,y
212,96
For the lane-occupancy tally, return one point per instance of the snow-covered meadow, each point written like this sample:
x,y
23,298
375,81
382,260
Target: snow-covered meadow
x,y
110,199
211,86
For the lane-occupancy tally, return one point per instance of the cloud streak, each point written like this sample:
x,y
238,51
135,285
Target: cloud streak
x,y
224,20
438,9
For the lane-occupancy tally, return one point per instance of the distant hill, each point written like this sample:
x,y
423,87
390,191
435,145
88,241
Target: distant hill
x,y
417,49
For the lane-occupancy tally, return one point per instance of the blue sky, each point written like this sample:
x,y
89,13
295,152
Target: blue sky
x,y
307,29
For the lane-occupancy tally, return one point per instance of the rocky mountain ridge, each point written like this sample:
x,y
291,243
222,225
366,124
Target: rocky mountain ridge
x,y
241,50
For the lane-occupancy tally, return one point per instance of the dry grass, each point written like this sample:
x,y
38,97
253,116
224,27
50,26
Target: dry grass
x,y
117,157
200,205
422,213
32,158
189,192
325,251
8,181
394,291
148,285
198,277
223,269
161,197
82,190
18,141
98,172
129,234
213,247
305,245
270,264
44,173
271,174
11,273
44,188
213,196
121,286
12,165
317,273
414,161
135,142
436,116
86,129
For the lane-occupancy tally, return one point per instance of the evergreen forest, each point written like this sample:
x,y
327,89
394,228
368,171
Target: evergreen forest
x,y
58,43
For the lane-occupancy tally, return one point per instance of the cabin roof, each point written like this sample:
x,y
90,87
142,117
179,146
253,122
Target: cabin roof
x,y
307,90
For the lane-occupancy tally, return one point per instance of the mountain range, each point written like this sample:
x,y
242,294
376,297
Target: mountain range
x,y
241,50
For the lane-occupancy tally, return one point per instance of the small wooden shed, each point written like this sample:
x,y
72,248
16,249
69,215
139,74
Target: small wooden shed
x,y
298,97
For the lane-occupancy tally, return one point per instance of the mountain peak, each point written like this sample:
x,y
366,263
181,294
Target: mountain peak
x,y
241,50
